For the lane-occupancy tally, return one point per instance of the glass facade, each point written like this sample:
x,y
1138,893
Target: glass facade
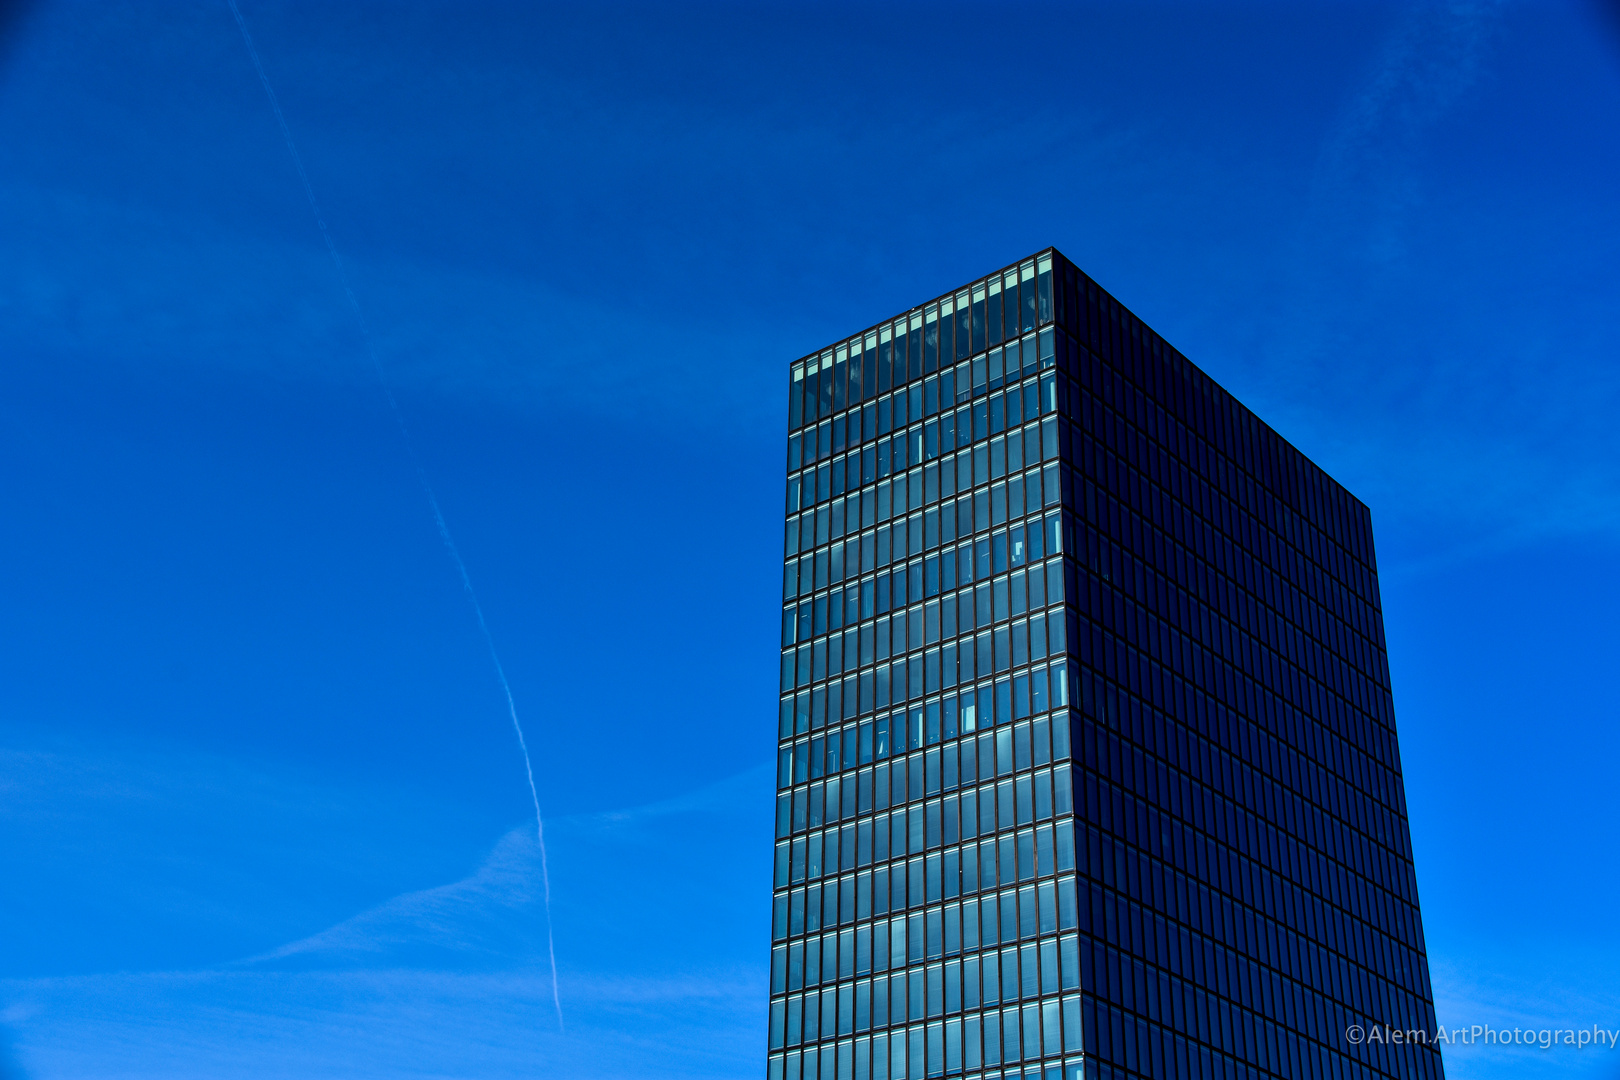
x,y
1087,761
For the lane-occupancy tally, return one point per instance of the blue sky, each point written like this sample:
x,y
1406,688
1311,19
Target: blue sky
x,y
261,809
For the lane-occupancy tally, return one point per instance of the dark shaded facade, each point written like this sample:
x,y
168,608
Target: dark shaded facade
x,y
1088,762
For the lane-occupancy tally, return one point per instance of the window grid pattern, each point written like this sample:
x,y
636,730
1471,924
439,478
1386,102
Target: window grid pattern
x,y
926,910
1087,761
1243,841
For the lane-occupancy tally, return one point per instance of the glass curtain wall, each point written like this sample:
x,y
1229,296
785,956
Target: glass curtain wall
x,y
1086,758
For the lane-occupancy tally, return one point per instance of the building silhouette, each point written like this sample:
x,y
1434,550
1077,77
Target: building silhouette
x,y
1088,763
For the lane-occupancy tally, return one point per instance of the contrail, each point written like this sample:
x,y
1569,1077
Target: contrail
x,y
427,487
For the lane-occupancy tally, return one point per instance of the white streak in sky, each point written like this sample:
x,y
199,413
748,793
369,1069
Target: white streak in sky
x,y
427,487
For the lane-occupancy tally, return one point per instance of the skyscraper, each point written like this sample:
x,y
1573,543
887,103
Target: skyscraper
x,y
1087,758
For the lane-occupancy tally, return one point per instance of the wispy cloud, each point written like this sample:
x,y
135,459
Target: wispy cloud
x,y
1377,350
492,915
1369,169
719,796
1562,998
385,1023
446,980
